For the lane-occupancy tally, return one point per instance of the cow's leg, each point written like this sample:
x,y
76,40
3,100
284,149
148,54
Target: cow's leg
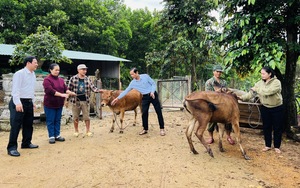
x,y
189,132
114,118
221,127
199,133
236,129
135,115
121,121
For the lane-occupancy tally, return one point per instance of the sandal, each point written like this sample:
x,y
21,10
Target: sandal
x,y
266,149
210,141
277,150
162,132
89,134
143,132
230,140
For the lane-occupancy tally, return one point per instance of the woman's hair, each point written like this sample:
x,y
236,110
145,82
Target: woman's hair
x,y
134,69
51,67
269,70
28,59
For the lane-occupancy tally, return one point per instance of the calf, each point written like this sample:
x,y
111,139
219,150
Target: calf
x,y
127,103
214,107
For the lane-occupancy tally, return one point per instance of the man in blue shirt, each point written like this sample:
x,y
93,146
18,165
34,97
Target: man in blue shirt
x,y
147,87
21,107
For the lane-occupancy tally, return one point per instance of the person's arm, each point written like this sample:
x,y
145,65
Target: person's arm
x,y
209,86
48,89
129,88
273,89
16,88
152,83
71,84
16,91
92,86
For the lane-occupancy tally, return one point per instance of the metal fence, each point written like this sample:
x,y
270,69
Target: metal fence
x,y
171,92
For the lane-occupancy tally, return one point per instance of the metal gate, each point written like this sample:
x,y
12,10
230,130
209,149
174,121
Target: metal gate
x,y
172,92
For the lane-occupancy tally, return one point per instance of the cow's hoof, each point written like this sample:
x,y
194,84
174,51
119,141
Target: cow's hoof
x,y
221,150
247,157
134,124
195,152
111,130
121,132
210,153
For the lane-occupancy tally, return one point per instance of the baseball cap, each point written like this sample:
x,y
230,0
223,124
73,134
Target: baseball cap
x,y
81,66
218,68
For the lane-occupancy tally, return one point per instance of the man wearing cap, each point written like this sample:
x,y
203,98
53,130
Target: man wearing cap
x,y
82,86
209,86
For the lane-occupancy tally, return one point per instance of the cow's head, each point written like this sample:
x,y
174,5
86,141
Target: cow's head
x,y
106,97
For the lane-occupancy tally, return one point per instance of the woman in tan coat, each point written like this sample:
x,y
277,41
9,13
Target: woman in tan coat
x,y
269,92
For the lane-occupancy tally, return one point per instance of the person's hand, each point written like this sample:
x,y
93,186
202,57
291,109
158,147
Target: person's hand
x,y
253,89
19,108
72,93
65,95
100,90
152,95
114,101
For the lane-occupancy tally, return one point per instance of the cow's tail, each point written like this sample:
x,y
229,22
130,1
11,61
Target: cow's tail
x,y
185,106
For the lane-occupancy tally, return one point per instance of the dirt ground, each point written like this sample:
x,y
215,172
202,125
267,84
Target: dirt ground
x,y
130,160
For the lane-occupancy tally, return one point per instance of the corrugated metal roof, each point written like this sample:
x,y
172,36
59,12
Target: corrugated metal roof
x,y
7,49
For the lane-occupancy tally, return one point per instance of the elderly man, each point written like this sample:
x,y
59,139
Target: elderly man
x,y
209,86
82,86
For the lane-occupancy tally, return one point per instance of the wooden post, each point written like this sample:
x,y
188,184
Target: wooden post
x,y
98,107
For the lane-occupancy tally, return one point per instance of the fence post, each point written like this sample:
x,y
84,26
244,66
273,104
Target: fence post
x,y
98,107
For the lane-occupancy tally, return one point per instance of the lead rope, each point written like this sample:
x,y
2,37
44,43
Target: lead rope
x,y
251,112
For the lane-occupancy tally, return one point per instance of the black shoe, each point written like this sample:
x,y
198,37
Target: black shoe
x,y
60,139
13,153
30,146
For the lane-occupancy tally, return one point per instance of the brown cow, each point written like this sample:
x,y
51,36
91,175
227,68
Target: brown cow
x,y
209,106
127,103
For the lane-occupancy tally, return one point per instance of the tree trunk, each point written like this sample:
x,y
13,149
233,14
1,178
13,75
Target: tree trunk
x,y
290,72
194,74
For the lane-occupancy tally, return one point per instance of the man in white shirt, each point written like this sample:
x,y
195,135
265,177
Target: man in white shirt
x,y
21,107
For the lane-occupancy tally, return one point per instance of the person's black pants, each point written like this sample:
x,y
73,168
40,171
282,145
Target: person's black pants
x,y
272,119
20,120
147,99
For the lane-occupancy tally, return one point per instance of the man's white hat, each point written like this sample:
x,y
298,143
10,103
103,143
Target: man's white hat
x,y
81,66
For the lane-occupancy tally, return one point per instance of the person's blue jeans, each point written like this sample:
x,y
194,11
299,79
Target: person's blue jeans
x,y
53,118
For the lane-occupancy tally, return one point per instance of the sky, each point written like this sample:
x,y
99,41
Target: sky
x,y
150,4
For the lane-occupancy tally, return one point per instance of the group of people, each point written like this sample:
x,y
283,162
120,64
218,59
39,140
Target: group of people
x,y
78,92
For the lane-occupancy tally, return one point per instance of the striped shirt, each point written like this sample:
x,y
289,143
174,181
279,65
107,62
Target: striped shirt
x,y
89,86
